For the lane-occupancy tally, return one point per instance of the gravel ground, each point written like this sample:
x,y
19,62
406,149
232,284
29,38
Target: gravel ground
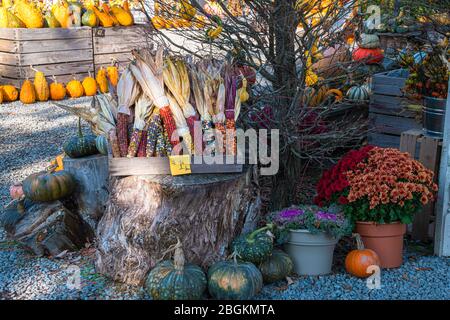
x,y
32,135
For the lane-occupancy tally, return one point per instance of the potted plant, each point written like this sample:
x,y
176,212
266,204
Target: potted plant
x,y
380,190
309,234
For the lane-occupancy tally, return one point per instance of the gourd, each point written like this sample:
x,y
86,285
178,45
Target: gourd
x,y
175,280
357,261
48,186
9,20
254,247
102,81
81,145
113,74
107,10
57,90
51,21
276,267
10,93
104,18
89,19
313,97
368,56
124,17
29,14
311,78
40,85
336,93
75,88
102,144
358,93
61,12
369,41
158,22
234,280
75,14
89,86
27,92
1,95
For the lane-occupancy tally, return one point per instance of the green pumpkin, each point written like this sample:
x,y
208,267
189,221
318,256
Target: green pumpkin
x,y
173,280
276,267
369,41
80,146
233,280
358,94
102,144
47,186
89,19
254,247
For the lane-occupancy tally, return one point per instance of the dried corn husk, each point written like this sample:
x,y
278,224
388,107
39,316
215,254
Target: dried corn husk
x,y
141,110
182,127
127,91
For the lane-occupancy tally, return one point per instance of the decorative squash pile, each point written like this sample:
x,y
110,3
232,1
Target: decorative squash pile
x,y
369,51
63,14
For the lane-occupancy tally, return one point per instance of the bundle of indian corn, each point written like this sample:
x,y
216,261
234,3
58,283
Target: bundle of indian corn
x,y
159,102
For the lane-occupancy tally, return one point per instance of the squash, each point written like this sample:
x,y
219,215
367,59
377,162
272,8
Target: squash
x,y
29,14
89,86
125,18
61,12
254,247
102,144
89,19
276,267
9,92
75,88
102,80
335,93
104,18
358,94
313,97
175,280
113,74
57,90
40,85
368,56
57,163
158,22
48,186
27,92
234,280
369,41
51,21
107,10
357,261
81,145
75,14
9,20
311,78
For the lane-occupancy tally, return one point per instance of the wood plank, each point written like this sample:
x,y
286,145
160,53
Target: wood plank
x,y
54,45
118,47
53,33
11,59
383,140
131,38
388,80
408,141
106,58
55,57
58,69
391,124
8,33
9,46
9,71
120,31
60,78
388,90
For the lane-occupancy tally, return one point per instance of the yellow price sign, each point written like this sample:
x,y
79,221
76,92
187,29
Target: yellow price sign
x,y
180,165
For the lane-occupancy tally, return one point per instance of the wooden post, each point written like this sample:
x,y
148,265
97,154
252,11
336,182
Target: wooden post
x,y
91,174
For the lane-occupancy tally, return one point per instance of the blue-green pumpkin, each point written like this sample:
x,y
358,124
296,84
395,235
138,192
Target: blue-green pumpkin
x,y
358,94
276,267
81,145
254,247
175,280
47,186
234,280
102,144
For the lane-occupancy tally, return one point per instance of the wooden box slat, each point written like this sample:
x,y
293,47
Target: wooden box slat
x,y
22,34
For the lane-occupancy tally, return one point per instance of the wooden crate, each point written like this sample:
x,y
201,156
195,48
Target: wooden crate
x,y
388,116
161,166
117,43
398,41
428,151
59,52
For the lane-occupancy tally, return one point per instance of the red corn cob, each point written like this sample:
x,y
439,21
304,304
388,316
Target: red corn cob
x,y
191,122
221,128
169,124
122,133
142,149
114,143
231,144
134,143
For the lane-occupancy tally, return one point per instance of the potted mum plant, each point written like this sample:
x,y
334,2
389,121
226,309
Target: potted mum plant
x,y
309,234
380,190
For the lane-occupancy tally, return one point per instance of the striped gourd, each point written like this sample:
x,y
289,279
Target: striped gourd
x,y
276,267
358,93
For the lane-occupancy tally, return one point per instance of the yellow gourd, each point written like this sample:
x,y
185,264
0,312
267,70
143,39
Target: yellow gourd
x,y
107,10
102,81
9,20
105,19
57,90
113,74
75,88
89,86
124,17
61,12
243,94
311,78
27,92
29,14
158,22
51,21
9,93
40,85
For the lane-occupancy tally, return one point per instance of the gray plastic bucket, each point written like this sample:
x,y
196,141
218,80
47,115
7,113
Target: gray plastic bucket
x,y
312,254
433,114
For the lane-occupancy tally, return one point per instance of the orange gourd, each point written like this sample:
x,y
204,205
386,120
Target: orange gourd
x,y
1,95
357,261
113,73
102,80
89,86
75,88
10,93
27,92
57,90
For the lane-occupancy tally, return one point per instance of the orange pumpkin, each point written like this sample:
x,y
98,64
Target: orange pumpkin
x,y
368,56
357,261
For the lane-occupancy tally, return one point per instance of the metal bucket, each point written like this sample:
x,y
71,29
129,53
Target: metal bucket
x,y
433,114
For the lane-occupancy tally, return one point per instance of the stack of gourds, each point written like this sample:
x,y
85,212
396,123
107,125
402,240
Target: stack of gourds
x,y
63,14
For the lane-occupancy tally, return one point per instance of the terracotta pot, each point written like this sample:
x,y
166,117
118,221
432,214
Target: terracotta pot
x,y
385,239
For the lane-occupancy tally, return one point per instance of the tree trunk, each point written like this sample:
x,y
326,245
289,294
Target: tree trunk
x,y
91,174
146,214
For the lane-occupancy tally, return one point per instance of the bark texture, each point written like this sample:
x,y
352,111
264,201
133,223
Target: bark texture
x,y
146,214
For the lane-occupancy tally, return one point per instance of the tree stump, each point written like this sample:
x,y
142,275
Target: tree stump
x,y
46,228
90,197
146,214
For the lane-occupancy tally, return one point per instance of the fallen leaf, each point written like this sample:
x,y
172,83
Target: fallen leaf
x,y
424,269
